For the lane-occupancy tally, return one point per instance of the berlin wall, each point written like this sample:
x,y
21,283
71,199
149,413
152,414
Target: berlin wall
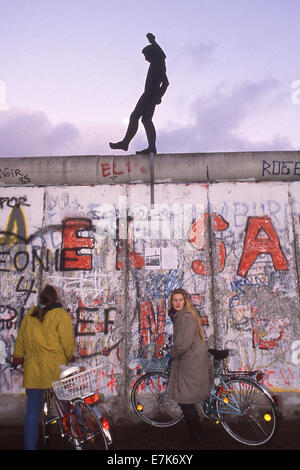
x,y
115,258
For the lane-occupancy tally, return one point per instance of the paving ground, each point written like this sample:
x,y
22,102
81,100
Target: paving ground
x,y
141,437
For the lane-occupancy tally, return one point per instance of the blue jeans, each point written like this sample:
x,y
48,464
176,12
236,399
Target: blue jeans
x,y
32,417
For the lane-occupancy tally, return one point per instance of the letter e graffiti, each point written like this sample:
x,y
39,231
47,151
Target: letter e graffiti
x,y
72,259
261,238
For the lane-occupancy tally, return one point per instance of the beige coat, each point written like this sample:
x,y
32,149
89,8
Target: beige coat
x,y
189,381
45,346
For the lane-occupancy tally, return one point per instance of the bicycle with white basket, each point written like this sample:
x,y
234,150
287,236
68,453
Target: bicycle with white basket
x,y
72,403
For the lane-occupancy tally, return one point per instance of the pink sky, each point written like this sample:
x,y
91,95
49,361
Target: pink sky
x,y
71,72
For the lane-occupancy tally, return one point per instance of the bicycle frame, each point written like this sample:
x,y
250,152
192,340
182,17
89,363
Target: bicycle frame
x,y
69,422
213,396
221,377
64,411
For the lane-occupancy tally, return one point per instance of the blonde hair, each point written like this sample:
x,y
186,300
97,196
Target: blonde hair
x,y
189,307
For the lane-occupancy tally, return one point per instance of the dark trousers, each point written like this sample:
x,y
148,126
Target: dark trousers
x,y
191,418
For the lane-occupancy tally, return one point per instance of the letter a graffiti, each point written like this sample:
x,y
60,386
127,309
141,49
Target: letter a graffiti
x,y
15,231
261,238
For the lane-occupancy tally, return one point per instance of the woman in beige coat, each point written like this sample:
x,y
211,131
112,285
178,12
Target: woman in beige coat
x,y
189,381
44,342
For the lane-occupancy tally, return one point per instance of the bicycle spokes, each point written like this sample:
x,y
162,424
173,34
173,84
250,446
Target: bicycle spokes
x,y
150,402
246,412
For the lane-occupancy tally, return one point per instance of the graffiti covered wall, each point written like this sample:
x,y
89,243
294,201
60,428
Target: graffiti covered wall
x,y
115,259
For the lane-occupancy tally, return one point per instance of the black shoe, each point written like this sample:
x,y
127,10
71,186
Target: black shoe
x,y
118,146
146,151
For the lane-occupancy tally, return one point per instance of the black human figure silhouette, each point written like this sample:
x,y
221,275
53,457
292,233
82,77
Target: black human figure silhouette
x,y
155,87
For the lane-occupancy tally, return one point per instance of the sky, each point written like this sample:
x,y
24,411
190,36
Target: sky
x,y
71,72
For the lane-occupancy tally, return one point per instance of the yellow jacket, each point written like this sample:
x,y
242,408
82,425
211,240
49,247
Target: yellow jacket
x,y
44,346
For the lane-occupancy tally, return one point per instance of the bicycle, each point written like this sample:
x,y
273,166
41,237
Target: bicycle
x,y
243,406
71,403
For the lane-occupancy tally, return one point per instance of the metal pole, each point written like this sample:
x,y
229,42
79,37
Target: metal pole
x,y
152,178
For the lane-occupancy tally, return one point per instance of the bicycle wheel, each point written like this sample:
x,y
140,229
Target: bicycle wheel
x,y
49,418
246,412
150,402
86,428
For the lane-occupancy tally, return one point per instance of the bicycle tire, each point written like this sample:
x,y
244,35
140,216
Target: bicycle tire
x,y
256,422
150,403
89,430
49,418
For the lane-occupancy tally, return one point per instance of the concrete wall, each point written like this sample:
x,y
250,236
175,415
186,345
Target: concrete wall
x,y
175,168
234,246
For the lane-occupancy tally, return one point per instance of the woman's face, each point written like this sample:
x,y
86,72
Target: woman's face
x,y
177,302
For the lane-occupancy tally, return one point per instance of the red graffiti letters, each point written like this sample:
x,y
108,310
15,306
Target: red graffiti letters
x,y
261,238
137,261
152,330
266,333
196,237
72,243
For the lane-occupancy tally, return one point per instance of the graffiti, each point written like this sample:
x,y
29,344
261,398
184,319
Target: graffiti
x,y
116,169
13,202
95,254
152,327
25,290
240,285
278,167
73,245
96,329
14,173
261,238
8,317
16,227
196,237
18,261
266,333
136,260
161,285
112,170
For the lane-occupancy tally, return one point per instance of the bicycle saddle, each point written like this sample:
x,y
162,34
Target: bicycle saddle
x,y
219,354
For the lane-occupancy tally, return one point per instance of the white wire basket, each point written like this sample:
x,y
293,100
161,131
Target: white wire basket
x,y
78,385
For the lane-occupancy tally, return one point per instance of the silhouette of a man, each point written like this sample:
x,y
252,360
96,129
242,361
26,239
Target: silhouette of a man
x,y
155,87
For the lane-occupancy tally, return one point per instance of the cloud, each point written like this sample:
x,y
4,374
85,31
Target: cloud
x,y
218,118
223,120
29,134
198,55
25,133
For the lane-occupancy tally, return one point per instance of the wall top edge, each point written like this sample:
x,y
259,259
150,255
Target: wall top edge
x,y
76,170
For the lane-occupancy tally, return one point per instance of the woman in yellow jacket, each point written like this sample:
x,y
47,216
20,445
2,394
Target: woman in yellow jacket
x,y
44,342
